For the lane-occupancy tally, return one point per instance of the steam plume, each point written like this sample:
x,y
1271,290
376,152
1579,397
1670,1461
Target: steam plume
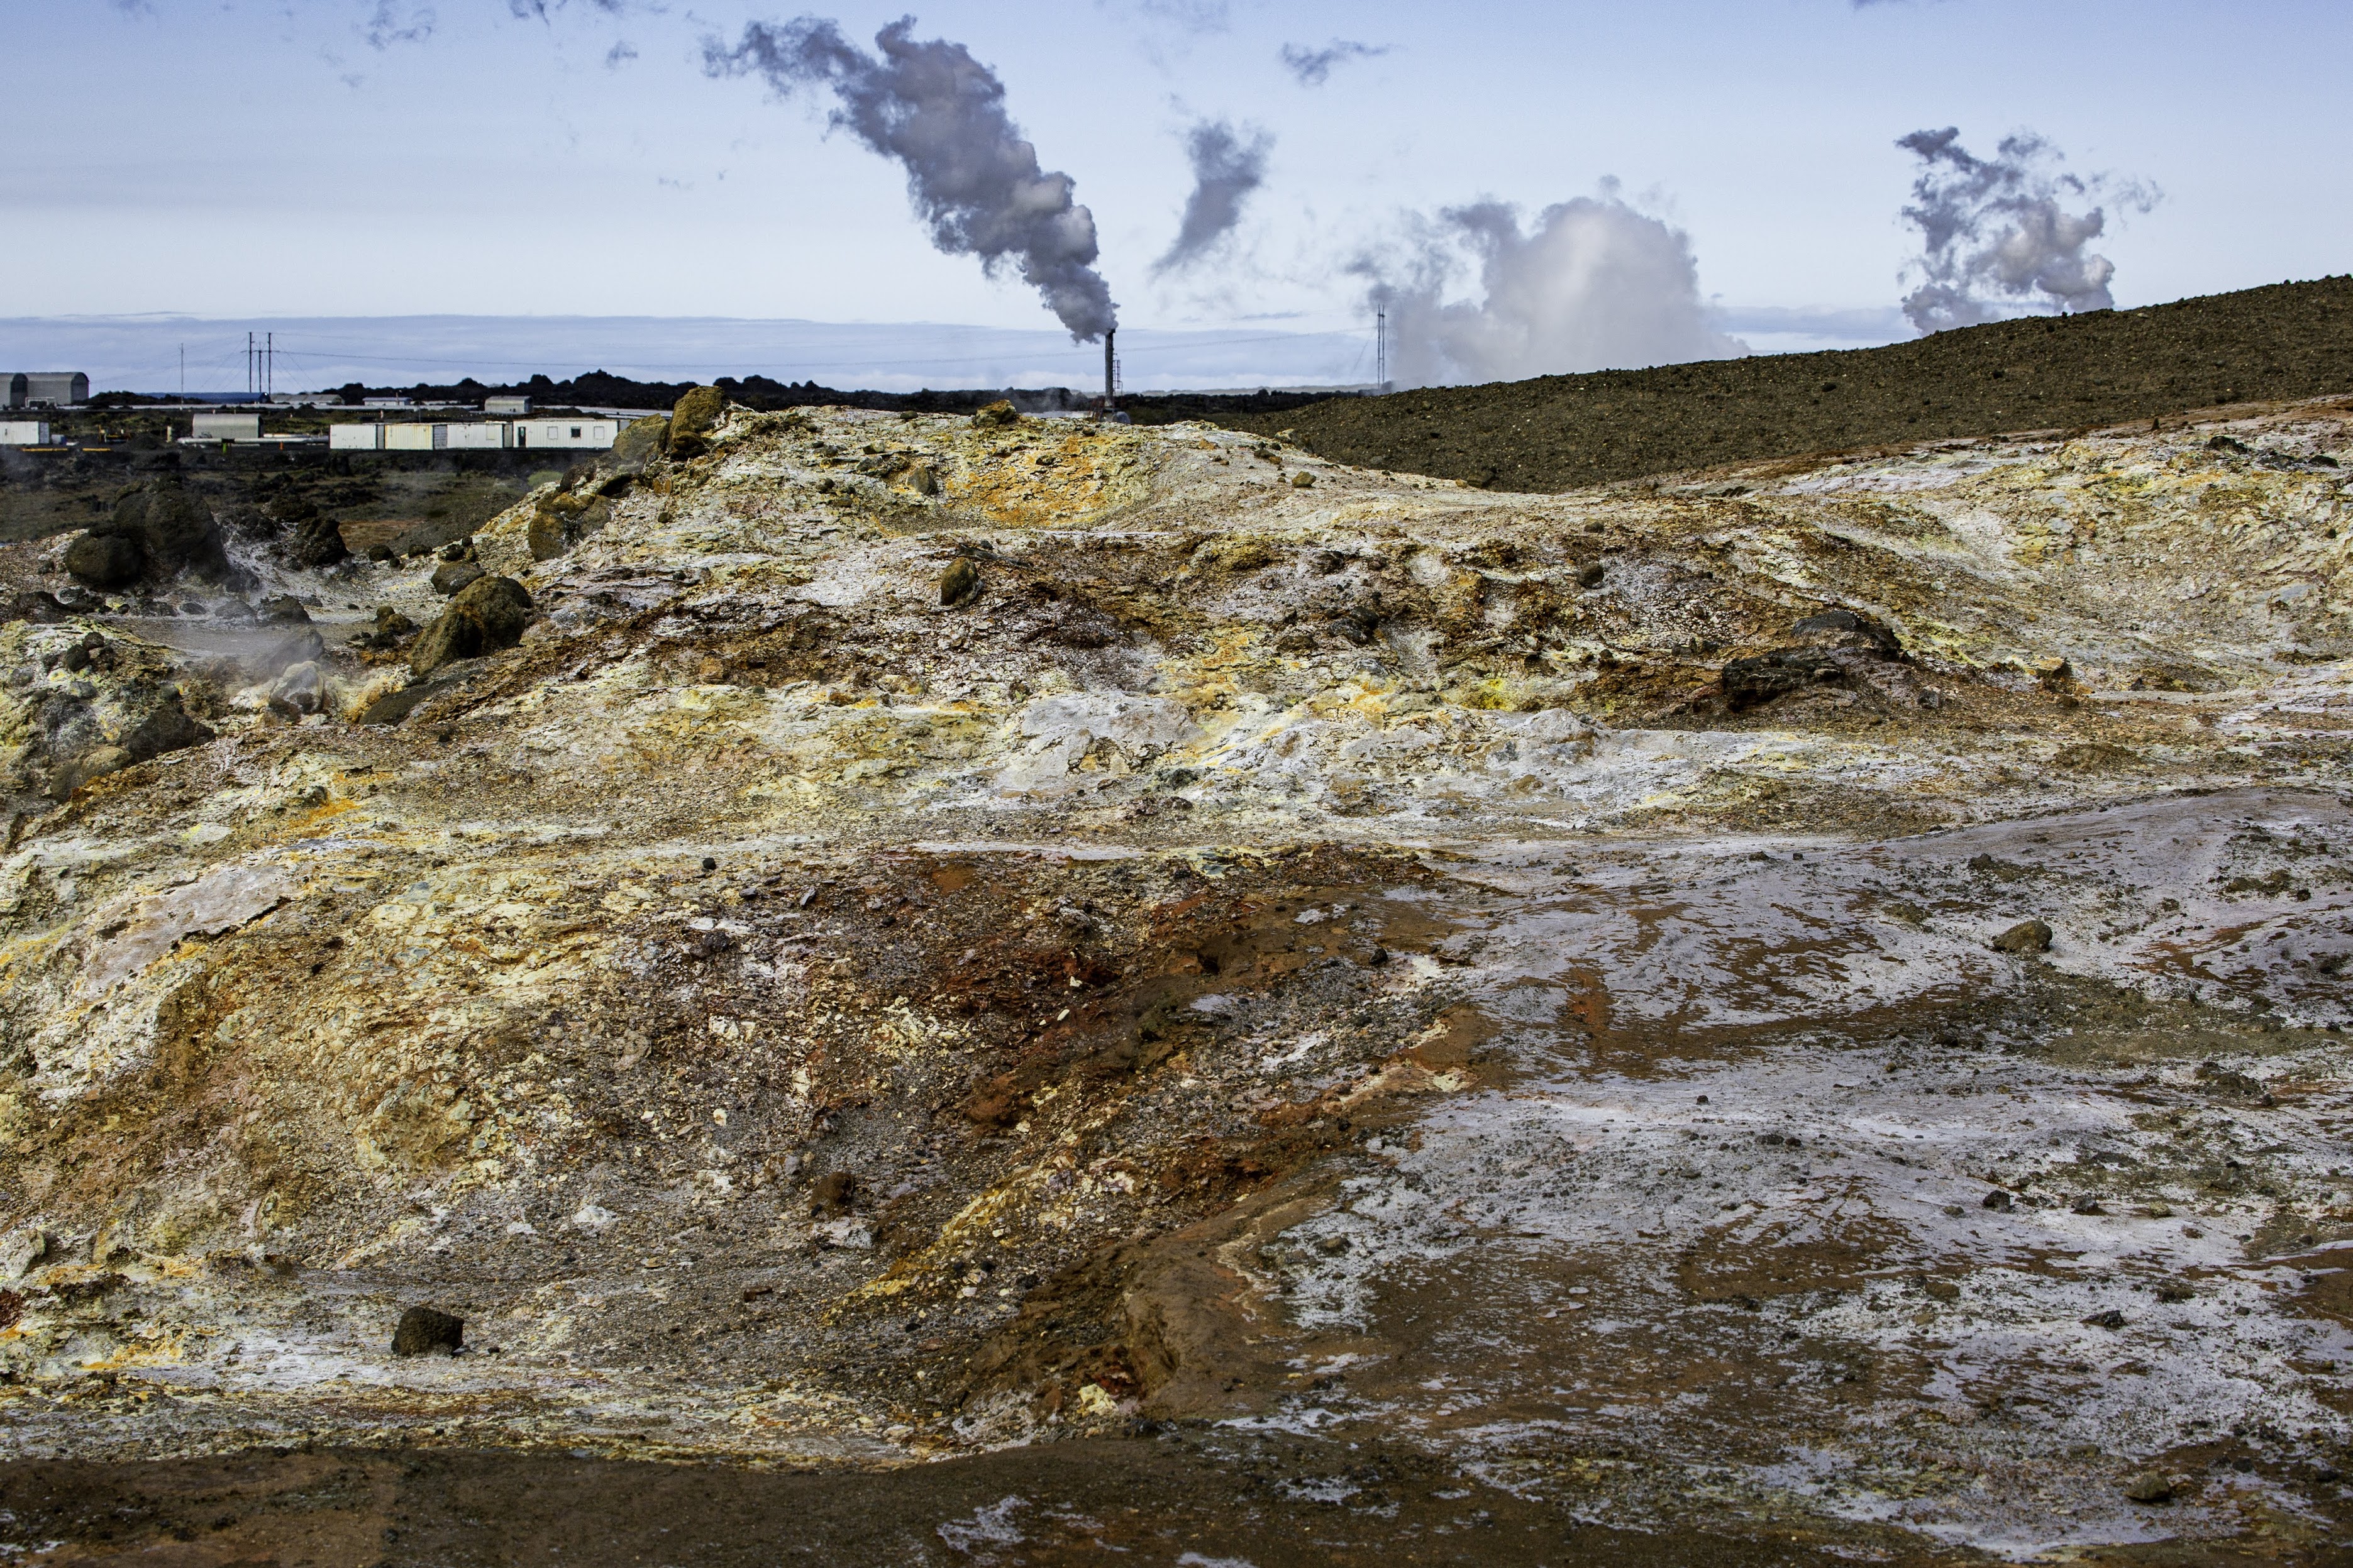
x,y
1314,67
1225,170
1997,239
1595,285
940,113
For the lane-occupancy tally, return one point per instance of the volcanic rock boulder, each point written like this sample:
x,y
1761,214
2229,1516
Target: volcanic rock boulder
x,y
2025,937
103,560
639,443
157,529
390,627
691,421
485,616
451,576
425,1331
313,537
318,541
545,535
563,519
167,728
960,582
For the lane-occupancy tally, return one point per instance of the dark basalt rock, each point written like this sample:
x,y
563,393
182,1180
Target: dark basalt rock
x,y
1825,649
485,616
960,583
168,728
1750,682
104,560
425,1330
452,575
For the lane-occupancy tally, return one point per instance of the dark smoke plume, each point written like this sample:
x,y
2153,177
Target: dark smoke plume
x,y
1997,239
1225,170
940,113
1314,67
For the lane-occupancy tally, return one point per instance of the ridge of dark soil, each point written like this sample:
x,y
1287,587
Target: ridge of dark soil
x,y
1560,432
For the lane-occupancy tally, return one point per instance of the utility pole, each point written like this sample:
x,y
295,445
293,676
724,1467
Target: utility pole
x,y
270,377
183,372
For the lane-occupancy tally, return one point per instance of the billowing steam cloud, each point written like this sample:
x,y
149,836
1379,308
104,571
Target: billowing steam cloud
x,y
1997,239
1225,170
940,113
1314,67
1596,284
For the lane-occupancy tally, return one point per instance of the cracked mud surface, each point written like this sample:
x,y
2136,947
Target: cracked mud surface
x,y
1359,1020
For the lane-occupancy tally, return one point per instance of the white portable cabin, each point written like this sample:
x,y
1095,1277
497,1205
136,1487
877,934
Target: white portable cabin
x,y
508,405
492,437
24,433
591,433
480,435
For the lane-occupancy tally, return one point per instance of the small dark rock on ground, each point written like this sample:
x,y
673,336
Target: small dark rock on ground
x,y
425,1330
2026,936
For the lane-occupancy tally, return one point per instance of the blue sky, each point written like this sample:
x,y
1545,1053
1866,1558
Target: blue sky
x,y
245,159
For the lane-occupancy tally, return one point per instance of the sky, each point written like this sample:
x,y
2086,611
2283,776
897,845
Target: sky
x,y
238,161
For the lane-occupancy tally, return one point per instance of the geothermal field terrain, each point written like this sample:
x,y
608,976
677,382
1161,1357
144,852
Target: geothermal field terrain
x,y
844,985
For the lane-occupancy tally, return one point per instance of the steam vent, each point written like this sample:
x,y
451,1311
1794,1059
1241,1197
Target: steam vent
x,y
1270,1012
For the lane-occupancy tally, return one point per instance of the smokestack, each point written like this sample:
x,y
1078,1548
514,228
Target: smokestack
x,y
1111,372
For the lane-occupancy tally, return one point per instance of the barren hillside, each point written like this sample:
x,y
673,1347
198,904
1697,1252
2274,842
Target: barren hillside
x,y
1261,1006
2060,372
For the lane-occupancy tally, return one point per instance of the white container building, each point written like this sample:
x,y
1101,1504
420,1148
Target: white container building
x,y
227,428
477,436
24,433
596,434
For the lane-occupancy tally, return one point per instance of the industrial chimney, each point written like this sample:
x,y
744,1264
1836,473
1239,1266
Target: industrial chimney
x,y
1108,410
